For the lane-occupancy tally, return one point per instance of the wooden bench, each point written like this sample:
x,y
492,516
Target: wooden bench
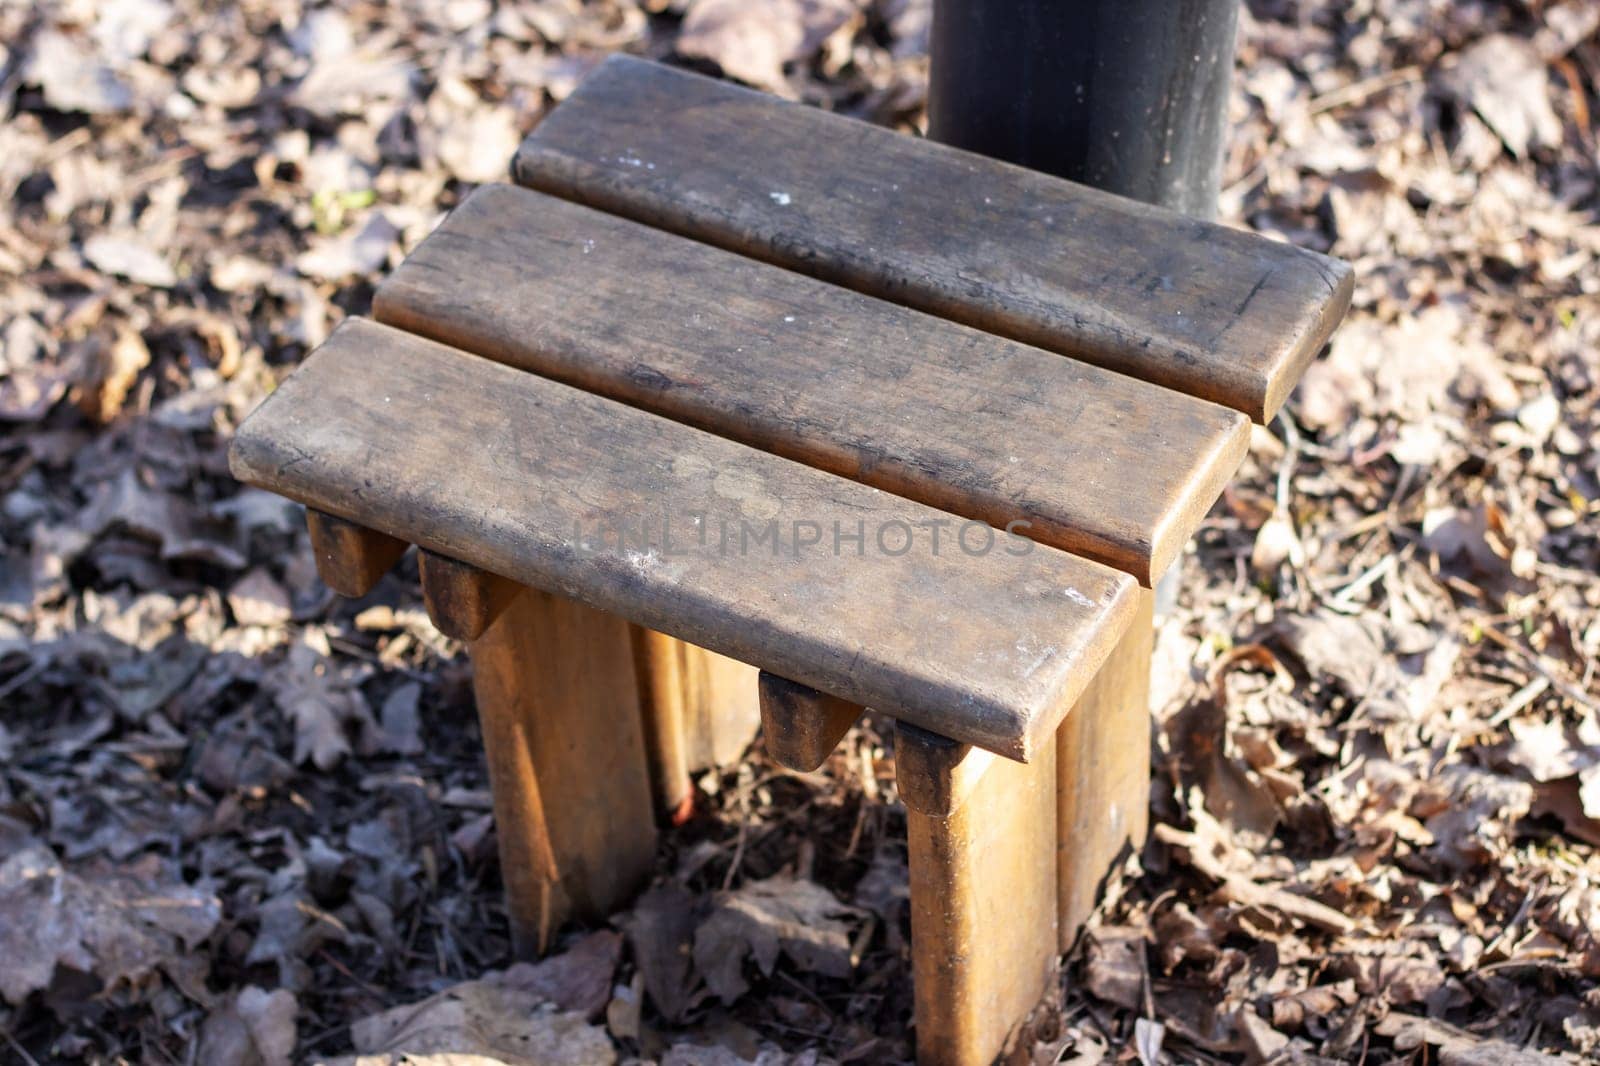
x,y
1214,312
767,408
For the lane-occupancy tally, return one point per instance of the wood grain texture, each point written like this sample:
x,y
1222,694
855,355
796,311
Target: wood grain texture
x,y
1207,310
700,711
726,705
935,774
462,600
658,664
560,715
1097,463
351,559
983,911
800,725
530,479
1103,768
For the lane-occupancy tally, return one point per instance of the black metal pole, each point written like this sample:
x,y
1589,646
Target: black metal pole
x,y
1130,96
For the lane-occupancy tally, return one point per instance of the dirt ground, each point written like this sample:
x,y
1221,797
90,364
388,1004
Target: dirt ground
x,y
245,823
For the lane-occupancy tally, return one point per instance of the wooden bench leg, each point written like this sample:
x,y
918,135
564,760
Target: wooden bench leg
x,y
350,558
801,725
700,710
559,708
1103,763
983,892
462,600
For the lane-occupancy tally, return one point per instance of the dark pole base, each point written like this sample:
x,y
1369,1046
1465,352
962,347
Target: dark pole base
x,y
1129,96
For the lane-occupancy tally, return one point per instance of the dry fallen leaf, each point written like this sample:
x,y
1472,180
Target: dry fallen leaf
x,y
257,600
254,1028
1148,1036
128,255
1348,650
116,369
477,138
399,721
1503,79
689,1054
576,979
490,1018
1276,543
660,932
356,252
750,40
73,76
121,925
344,78
1115,968
1456,1046
753,40
323,704
781,915
1476,812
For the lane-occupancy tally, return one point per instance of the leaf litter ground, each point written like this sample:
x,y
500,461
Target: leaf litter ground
x,y
242,822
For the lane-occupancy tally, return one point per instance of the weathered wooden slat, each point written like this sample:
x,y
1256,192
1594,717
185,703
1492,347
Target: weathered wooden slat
x,y
1103,767
1204,309
462,600
801,725
350,558
1096,463
983,909
806,575
572,807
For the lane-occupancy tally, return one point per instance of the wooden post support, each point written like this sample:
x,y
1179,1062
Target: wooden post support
x,y
1103,767
700,710
801,725
462,600
559,709
935,774
983,895
350,558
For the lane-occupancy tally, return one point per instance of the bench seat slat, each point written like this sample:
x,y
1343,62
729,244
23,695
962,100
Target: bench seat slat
x,y
1099,464
1211,311
511,472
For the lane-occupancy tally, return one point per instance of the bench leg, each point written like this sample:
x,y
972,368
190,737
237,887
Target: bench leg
x,y
350,558
700,710
983,893
559,709
462,600
801,725
1103,763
